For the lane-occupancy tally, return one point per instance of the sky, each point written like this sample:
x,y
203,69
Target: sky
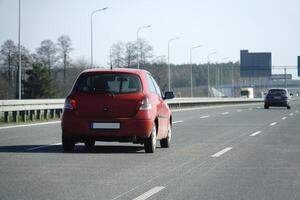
x,y
224,26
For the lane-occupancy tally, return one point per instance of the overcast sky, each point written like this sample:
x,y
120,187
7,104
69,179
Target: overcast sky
x,y
225,26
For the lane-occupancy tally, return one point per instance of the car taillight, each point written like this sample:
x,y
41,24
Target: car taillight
x,y
70,104
145,104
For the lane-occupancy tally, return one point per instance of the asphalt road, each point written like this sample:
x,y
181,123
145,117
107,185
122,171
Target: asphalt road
x,y
229,152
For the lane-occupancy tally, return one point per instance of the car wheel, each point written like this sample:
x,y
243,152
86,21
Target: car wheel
x,y
89,144
67,143
165,143
150,143
266,107
288,107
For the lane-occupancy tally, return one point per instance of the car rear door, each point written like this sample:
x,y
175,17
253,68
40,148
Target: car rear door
x,y
162,108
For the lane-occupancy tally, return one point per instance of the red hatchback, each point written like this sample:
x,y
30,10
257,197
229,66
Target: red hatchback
x,y
123,105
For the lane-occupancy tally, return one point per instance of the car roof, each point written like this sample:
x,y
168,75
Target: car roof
x,y
116,70
278,89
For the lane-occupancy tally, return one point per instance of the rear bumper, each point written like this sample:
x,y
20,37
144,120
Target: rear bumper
x,y
277,103
131,129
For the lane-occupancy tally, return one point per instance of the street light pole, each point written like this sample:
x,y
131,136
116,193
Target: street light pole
x,y
137,43
221,75
169,68
191,60
210,54
92,14
19,50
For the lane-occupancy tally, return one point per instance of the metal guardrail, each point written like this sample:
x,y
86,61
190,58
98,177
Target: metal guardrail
x,y
37,109
22,110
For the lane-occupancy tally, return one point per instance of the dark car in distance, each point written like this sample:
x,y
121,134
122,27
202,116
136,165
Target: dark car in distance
x,y
277,97
123,105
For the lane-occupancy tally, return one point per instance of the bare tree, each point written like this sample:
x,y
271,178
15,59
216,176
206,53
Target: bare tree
x,y
117,54
7,54
130,54
145,51
47,54
64,49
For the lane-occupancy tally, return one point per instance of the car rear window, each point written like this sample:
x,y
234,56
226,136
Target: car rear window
x,y
277,92
108,83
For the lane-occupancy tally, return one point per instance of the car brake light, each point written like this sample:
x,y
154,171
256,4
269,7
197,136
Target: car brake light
x,y
145,104
70,104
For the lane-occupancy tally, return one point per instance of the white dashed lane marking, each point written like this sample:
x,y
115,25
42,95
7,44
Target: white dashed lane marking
x,y
283,118
291,114
176,122
43,146
218,154
256,133
272,124
225,113
205,116
149,193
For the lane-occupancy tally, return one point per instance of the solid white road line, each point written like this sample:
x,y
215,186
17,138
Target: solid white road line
x,y
225,113
256,133
179,121
272,124
28,125
291,114
205,116
218,154
43,146
283,118
149,193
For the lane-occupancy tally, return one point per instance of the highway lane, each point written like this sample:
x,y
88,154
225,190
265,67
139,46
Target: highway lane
x,y
244,164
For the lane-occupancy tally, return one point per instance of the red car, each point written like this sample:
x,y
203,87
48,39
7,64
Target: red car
x,y
124,105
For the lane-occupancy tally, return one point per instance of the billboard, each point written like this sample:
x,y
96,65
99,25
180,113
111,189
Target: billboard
x,y
255,64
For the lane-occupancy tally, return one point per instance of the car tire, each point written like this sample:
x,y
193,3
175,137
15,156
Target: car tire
x,y
150,143
68,143
266,107
166,142
288,107
90,143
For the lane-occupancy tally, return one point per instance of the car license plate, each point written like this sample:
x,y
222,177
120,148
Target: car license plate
x,y
277,97
105,125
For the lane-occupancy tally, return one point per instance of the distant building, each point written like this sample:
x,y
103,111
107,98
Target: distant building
x,y
255,64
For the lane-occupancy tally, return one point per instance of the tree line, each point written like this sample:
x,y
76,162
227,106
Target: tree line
x,y
49,71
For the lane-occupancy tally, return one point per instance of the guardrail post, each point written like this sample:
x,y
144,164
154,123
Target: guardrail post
x,y
23,116
58,113
16,116
38,115
6,117
46,114
32,115
52,113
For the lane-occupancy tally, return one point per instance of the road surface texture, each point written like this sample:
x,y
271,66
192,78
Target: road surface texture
x,y
224,152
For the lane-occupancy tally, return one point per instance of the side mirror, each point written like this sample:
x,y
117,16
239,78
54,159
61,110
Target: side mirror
x,y
169,95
